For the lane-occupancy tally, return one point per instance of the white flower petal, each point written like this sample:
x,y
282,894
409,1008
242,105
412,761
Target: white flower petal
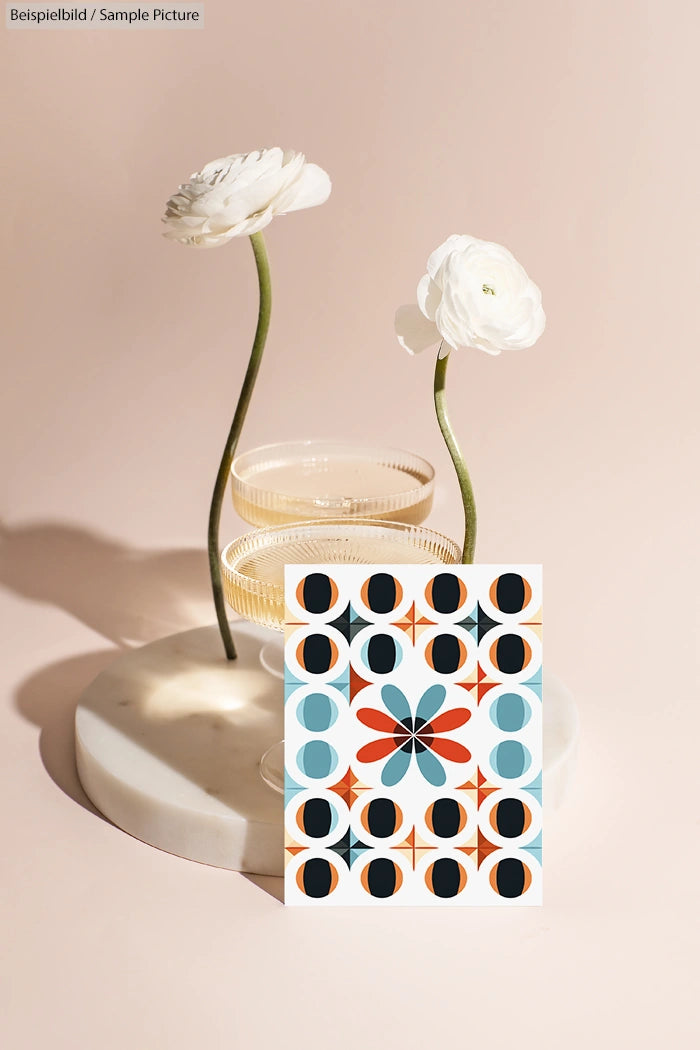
x,y
453,243
480,296
481,343
312,187
240,194
449,331
414,331
529,333
254,224
429,296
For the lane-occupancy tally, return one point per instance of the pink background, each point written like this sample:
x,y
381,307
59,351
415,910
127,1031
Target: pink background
x,y
567,131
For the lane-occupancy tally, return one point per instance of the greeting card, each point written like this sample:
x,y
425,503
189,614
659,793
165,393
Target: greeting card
x,y
413,734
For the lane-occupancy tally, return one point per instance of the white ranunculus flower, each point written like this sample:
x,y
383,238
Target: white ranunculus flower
x,y
475,294
239,195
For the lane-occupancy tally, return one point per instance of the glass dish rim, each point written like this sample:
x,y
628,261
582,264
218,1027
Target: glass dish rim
x,y
273,592
243,490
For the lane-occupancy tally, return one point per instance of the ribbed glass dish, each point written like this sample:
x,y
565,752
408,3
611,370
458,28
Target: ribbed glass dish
x,y
253,565
313,480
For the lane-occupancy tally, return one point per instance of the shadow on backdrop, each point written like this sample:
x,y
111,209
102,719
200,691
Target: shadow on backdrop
x,y
128,596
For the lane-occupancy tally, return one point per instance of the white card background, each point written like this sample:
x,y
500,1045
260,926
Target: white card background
x,y
413,735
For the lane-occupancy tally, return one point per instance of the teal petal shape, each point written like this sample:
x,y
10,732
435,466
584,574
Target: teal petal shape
x,y
431,768
431,702
396,767
396,703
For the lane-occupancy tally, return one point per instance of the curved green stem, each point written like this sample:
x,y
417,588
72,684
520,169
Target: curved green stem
x,y
456,456
222,477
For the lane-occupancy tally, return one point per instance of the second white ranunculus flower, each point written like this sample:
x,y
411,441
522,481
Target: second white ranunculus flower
x,y
239,195
475,294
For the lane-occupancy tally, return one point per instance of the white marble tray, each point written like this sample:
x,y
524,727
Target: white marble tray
x,y
169,740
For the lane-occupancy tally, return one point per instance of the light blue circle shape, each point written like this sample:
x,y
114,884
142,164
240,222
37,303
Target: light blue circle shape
x,y
510,712
317,759
510,759
317,712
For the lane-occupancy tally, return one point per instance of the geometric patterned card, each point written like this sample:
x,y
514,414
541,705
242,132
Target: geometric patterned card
x,y
413,735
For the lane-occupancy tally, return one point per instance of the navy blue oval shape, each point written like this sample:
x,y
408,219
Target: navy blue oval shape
x,y
510,818
446,877
510,653
445,653
381,877
510,593
445,593
318,653
317,593
381,654
382,818
317,877
510,877
445,817
381,592
316,817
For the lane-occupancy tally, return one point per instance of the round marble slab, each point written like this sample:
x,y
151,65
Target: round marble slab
x,y
169,740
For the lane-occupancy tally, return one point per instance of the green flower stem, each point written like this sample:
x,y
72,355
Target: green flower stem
x,y
456,456
222,477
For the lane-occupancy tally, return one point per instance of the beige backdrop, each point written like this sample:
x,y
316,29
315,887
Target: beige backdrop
x,y
566,130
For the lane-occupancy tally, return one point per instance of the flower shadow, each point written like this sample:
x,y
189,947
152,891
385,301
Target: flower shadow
x,y
126,595
130,597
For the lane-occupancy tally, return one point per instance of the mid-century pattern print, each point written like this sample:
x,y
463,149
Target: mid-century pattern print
x,y
413,735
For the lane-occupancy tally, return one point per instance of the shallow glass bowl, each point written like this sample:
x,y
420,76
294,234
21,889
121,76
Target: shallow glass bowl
x,y
312,480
